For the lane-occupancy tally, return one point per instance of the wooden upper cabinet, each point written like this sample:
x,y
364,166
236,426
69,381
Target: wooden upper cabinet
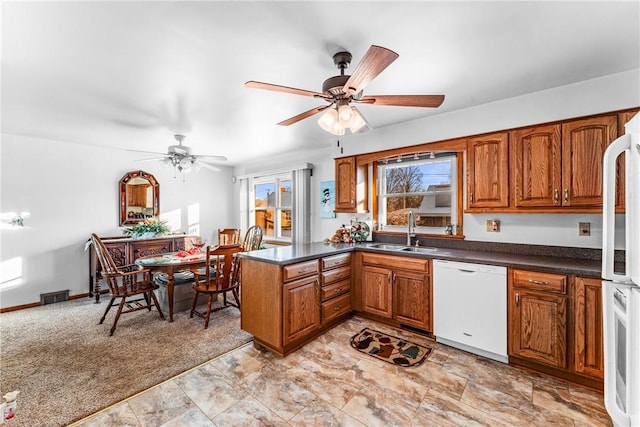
x,y
584,142
536,162
623,118
351,186
488,171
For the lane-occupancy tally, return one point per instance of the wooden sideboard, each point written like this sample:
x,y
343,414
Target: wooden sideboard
x,y
125,251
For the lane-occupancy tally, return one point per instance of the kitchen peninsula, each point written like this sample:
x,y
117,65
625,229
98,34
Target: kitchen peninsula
x,y
290,295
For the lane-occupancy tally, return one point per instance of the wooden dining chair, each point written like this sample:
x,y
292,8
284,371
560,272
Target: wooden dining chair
x,y
131,284
216,279
252,241
228,236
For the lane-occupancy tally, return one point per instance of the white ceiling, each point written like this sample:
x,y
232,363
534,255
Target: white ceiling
x,y
129,75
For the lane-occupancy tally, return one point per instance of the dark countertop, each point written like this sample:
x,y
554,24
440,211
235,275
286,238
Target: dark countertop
x,y
296,253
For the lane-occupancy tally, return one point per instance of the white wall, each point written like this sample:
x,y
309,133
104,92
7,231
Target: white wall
x,y
614,92
71,191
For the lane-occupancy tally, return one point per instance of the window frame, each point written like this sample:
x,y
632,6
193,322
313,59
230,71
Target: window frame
x,y
382,196
278,209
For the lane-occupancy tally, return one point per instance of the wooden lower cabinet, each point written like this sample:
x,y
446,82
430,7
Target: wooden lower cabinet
x,y
284,307
555,325
300,308
398,289
539,327
376,291
411,299
589,346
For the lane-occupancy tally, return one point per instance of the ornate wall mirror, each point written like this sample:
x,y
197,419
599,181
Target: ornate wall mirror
x,y
139,197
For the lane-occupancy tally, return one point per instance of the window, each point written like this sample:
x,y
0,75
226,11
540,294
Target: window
x,y
424,185
272,206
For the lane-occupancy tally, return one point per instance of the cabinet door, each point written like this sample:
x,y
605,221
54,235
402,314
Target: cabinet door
x,y
536,159
583,145
589,351
488,171
376,291
301,308
538,327
346,184
412,299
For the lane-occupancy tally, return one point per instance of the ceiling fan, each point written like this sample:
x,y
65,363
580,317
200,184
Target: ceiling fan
x,y
340,91
180,157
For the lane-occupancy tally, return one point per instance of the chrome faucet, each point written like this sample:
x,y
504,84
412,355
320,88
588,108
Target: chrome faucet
x,y
411,227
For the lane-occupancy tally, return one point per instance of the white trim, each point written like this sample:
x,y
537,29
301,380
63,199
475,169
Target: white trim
x,y
279,171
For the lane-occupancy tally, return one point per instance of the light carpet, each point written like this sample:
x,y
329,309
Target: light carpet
x,y
66,365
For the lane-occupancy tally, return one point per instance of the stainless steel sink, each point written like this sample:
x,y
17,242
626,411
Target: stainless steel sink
x,y
387,246
420,250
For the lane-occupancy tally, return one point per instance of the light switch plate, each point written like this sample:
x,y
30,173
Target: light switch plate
x,y
584,229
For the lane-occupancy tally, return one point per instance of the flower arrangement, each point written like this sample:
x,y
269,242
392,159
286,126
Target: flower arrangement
x,y
151,225
356,232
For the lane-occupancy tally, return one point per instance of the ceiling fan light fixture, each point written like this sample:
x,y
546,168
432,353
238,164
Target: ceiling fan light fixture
x,y
357,122
345,112
328,120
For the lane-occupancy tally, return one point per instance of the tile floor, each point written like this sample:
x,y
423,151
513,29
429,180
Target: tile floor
x,y
328,383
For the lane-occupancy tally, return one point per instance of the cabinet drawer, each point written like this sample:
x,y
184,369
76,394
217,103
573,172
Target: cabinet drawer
x,y
301,269
336,261
336,307
415,264
335,289
336,275
540,281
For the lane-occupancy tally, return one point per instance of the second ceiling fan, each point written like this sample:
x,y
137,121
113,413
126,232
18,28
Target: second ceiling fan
x,y
340,91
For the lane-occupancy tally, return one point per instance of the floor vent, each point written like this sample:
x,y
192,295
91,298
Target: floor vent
x,y
52,297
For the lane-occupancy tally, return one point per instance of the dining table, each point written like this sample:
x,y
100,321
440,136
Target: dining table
x,y
171,263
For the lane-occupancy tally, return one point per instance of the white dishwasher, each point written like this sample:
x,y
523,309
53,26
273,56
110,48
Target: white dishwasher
x,y
470,307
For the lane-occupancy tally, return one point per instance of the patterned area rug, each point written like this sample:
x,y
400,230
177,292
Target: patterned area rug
x,y
389,348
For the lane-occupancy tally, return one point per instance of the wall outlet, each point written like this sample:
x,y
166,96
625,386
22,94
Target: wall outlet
x,y
493,225
584,229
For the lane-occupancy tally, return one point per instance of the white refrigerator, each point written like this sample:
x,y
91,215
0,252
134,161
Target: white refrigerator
x,y
621,289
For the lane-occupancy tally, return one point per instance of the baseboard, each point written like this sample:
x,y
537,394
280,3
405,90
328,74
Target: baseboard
x,y
37,304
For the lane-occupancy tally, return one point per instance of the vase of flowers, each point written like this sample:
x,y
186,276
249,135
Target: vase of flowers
x,y
148,228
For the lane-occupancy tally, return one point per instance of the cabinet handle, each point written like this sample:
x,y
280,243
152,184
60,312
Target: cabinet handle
x,y
303,270
393,278
538,282
471,197
517,299
336,262
566,194
337,290
338,307
389,277
556,196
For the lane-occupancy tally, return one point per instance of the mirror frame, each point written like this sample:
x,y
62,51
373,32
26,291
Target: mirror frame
x,y
124,220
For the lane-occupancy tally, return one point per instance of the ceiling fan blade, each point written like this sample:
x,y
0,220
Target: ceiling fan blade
x,y
218,158
149,152
206,165
302,116
277,88
151,159
373,63
404,100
